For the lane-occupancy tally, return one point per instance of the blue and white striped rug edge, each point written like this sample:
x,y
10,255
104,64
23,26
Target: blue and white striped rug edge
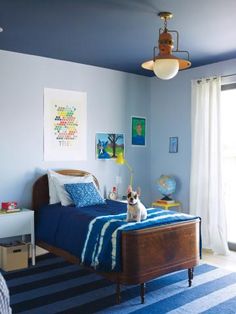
x,y
55,286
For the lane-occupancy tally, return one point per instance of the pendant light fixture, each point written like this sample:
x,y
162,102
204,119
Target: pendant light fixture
x,y
165,65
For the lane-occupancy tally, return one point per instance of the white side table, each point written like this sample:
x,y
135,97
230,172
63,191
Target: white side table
x,y
19,224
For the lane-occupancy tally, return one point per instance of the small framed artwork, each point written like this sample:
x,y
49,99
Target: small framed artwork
x,y
173,144
109,145
138,131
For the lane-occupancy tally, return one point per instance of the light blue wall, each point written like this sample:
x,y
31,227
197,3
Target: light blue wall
x,y
171,116
112,97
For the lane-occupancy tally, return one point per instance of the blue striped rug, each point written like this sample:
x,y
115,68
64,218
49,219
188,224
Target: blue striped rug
x,y
55,286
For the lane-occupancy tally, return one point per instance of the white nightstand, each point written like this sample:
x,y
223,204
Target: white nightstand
x,y
19,224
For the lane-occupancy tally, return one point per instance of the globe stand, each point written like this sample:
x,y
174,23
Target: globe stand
x,y
166,198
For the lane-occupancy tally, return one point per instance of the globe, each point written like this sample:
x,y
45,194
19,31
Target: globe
x,y
166,186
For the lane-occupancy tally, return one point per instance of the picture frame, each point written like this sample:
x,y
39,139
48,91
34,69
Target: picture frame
x,y
173,144
138,131
109,145
65,125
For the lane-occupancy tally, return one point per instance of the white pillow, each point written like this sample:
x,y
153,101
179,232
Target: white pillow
x,y
53,197
58,181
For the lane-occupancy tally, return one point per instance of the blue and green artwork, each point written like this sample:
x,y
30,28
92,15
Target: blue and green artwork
x,y
138,131
109,145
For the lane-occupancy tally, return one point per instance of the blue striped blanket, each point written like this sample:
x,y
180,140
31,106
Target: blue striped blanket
x,y
102,247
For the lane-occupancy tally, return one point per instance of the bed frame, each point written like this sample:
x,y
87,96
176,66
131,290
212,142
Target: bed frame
x,y
146,254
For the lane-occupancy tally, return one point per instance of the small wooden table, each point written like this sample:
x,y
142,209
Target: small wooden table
x,y
167,206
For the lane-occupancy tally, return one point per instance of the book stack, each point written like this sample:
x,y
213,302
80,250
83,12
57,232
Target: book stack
x,y
165,202
8,211
12,210
10,207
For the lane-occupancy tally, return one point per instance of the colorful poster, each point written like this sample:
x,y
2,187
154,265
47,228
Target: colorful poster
x,y
65,125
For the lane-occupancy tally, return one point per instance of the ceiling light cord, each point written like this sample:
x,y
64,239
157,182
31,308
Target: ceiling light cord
x,y
165,24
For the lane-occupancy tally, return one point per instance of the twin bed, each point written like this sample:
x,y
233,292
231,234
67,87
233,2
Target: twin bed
x,y
144,253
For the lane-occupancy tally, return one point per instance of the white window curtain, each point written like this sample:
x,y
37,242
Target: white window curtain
x,y
206,195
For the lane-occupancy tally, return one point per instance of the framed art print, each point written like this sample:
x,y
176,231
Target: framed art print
x,y
109,145
65,125
138,131
173,144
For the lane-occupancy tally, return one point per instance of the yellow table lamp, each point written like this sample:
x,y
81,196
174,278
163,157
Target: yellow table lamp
x,y
121,161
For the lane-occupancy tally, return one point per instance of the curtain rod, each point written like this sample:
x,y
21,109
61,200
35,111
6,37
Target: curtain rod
x,y
207,79
215,77
228,75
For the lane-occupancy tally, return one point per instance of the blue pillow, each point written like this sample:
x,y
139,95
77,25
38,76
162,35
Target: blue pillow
x,y
84,194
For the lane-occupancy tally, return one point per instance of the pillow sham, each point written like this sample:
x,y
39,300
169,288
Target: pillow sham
x,y
64,196
84,194
53,197
56,181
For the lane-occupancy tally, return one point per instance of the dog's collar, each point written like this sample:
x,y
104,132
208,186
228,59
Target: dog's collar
x,y
132,205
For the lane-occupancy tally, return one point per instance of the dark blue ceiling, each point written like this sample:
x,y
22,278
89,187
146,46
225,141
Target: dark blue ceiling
x,y
117,34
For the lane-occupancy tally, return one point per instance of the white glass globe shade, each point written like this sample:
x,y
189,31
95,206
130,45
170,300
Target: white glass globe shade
x,y
166,69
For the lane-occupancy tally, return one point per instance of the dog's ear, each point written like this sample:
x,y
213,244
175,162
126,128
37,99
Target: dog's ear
x,y
138,191
129,189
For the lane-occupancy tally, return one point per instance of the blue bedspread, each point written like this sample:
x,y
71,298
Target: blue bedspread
x,y
66,227
102,248
93,233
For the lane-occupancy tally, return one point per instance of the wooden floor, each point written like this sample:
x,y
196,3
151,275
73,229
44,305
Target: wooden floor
x,y
223,261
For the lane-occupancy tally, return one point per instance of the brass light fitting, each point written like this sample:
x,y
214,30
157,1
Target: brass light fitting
x,y
164,64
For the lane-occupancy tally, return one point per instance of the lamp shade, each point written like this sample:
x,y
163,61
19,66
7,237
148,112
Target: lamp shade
x,y
120,159
166,69
165,65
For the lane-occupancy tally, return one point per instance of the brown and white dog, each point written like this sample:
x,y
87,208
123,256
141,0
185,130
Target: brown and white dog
x,y
136,211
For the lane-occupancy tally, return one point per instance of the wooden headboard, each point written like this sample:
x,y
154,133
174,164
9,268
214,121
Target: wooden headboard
x,y
40,195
